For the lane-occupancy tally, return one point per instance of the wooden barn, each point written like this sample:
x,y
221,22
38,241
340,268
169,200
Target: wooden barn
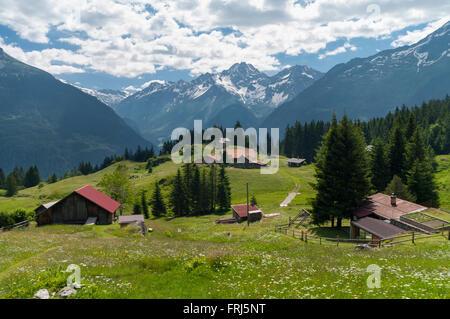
x,y
77,207
240,213
296,162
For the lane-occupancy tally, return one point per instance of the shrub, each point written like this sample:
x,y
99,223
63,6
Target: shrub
x,y
5,219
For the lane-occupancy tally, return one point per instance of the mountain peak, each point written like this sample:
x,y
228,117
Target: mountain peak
x,y
242,68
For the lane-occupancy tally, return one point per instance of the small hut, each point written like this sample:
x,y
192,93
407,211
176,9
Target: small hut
x,y
76,208
130,219
296,162
240,212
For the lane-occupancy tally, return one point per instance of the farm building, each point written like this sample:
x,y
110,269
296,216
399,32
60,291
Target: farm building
x,y
240,213
131,219
381,216
296,162
77,207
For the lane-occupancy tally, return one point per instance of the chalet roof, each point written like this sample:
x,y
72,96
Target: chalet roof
x,y
296,160
377,227
241,210
131,219
98,198
380,205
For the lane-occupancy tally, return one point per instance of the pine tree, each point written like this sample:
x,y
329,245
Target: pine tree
x,y
396,152
32,177
11,185
137,209
253,201
399,189
212,188
157,202
223,191
204,193
342,173
2,179
379,166
196,208
187,180
178,200
411,127
144,205
52,179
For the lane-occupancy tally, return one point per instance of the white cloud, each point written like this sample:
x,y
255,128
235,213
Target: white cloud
x,y
123,38
342,49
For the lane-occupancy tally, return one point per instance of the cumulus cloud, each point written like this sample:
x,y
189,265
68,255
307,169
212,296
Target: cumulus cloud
x,y
342,49
131,38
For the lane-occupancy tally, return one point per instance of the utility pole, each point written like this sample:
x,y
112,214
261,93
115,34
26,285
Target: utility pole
x,y
248,215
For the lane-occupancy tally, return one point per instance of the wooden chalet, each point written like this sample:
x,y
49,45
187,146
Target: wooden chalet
x,y
296,162
76,208
380,216
240,213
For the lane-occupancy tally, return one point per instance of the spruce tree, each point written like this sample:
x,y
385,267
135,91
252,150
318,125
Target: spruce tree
x,y
400,190
253,201
178,201
396,152
144,205
2,179
11,185
157,202
32,177
52,179
204,193
212,188
223,191
196,208
379,166
137,209
342,173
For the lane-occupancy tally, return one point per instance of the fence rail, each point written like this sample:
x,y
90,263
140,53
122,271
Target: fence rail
x,y
23,224
304,236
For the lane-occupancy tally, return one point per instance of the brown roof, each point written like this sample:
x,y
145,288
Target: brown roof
x,y
377,227
131,219
241,210
380,205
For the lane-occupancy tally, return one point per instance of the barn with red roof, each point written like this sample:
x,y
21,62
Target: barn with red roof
x,y
76,208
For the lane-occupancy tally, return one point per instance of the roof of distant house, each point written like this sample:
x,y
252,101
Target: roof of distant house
x,y
98,198
241,210
380,205
377,227
131,219
296,160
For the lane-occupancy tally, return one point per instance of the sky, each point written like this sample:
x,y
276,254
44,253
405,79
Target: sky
x,y
118,44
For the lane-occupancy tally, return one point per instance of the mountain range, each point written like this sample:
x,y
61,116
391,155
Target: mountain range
x,y
240,93
371,87
53,125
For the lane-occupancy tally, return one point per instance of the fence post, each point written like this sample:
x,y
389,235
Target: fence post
x,y
306,237
320,240
337,242
413,237
303,236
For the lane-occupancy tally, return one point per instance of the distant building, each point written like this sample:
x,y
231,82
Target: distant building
x,y
242,158
77,207
296,162
240,212
131,219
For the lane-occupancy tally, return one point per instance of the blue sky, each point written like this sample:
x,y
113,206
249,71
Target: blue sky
x,y
121,44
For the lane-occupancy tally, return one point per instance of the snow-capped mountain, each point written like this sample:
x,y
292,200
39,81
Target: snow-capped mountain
x,y
163,106
370,87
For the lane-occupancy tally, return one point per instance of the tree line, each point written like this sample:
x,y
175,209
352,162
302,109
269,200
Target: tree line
x,y
432,119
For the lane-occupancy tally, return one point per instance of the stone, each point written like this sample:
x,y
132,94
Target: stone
x,y
363,247
66,292
42,294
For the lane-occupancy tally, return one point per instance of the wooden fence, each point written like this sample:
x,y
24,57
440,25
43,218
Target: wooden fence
x,y
23,224
304,236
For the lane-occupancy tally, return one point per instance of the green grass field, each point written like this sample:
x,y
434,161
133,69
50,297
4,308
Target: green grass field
x,y
192,257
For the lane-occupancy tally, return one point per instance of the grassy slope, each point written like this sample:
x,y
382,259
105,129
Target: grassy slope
x,y
202,260
443,180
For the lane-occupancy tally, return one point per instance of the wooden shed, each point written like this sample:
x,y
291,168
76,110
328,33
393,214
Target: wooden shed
x,y
240,212
296,162
77,207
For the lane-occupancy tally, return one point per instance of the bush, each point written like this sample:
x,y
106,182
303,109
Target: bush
x,y
5,219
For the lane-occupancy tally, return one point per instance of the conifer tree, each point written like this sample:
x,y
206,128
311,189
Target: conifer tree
x,y
144,205
342,173
178,200
204,193
223,191
157,202
52,179
411,127
379,166
253,201
32,177
2,179
11,185
196,208
137,209
399,189
212,188
396,152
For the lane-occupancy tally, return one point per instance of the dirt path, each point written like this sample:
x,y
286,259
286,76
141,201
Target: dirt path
x,y
290,197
